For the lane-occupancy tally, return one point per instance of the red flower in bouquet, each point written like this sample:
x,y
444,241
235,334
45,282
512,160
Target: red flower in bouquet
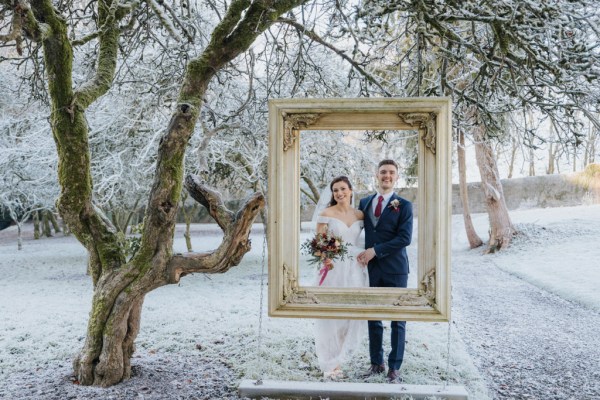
x,y
323,249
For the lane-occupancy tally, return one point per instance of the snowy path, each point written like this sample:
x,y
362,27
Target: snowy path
x,y
529,343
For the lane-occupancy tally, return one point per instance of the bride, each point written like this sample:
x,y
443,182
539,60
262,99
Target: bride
x,y
336,339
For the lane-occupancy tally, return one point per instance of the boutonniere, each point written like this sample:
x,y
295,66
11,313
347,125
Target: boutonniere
x,y
394,205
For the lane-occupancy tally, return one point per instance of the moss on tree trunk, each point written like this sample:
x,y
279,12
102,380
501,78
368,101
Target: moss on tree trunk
x,y
120,285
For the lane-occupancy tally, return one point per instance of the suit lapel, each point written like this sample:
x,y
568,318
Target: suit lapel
x,y
368,209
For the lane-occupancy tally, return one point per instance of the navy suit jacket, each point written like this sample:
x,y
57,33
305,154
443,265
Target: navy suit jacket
x,y
390,237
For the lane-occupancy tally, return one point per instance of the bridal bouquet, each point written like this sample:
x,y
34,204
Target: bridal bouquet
x,y
323,249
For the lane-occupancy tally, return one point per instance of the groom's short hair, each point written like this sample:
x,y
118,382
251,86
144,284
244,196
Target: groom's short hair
x,y
388,162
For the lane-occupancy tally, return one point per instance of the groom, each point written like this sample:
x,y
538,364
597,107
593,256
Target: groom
x,y
388,231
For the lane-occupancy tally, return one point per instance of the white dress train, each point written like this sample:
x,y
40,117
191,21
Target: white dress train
x,y
335,339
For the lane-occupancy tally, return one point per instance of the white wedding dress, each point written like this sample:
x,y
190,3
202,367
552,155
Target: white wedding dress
x,y
335,339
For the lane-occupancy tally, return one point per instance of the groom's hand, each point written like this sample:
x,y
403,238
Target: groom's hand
x,y
365,256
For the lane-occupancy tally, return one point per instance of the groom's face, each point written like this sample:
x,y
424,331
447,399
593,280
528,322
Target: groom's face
x,y
387,175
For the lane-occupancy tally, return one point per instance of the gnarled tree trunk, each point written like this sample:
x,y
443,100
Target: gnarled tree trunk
x,y
472,236
36,225
120,285
187,217
119,293
53,221
46,224
501,227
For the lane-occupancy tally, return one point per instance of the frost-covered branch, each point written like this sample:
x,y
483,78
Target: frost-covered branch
x,y
313,36
167,22
123,9
537,53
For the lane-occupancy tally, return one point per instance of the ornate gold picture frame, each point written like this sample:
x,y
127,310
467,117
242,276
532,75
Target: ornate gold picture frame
x,y
431,117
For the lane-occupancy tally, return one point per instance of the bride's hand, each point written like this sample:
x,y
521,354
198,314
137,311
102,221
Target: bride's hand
x,y
365,256
360,259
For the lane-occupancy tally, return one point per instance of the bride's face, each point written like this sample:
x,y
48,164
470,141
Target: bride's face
x,y
341,192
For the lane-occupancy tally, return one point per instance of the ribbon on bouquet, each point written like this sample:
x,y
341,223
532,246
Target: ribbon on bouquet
x,y
323,272
327,266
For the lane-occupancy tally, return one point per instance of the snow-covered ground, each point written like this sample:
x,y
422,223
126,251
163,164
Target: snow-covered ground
x,y
559,250
530,315
199,338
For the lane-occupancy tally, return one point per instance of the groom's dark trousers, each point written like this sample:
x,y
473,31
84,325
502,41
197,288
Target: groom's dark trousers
x,y
388,235
396,355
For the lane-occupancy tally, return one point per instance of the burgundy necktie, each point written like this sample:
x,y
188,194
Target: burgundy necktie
x,y
378,208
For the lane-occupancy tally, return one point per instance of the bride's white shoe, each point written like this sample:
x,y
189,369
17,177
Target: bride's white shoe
x,y
334,375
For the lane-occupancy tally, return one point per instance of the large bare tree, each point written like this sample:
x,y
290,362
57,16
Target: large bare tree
x,y
120,284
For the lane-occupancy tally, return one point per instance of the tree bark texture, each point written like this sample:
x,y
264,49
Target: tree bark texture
x,y
236,228
513,156
590,145
19,236
46,224
501,227
472,236
314,192
120,285
187,217
53,221
36,225
550,169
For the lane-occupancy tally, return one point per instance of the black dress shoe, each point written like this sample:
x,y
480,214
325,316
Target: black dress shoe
x,y
375,369
393,376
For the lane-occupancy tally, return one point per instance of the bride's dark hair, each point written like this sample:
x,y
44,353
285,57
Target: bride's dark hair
x,y
342,178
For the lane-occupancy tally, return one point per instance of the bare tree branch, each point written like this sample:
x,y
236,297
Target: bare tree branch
x,y
109,15
313,36
236,229
211,199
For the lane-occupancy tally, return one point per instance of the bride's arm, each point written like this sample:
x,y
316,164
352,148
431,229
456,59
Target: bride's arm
x,y
359,214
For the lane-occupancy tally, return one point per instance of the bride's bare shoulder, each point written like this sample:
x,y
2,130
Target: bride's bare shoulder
x,y
328,212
